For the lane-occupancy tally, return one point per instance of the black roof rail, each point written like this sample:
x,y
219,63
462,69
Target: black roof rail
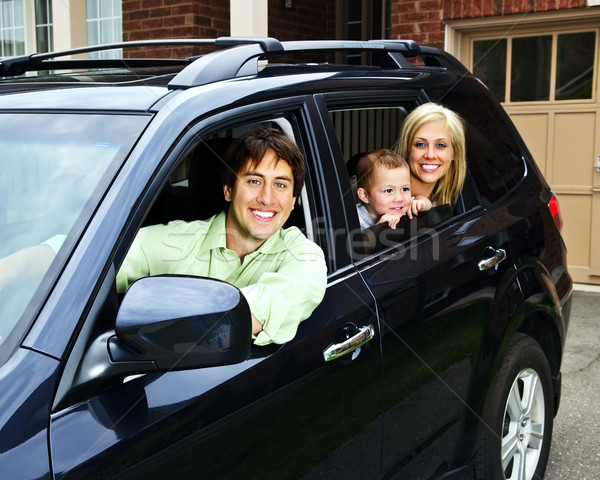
x,y
239,57
13,66
243,60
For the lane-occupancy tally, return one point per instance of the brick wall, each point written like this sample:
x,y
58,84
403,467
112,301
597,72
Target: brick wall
x,y
311,20
423,20
160,19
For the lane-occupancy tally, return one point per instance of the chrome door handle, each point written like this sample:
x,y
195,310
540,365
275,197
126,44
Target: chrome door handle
x,y
495,257
356,341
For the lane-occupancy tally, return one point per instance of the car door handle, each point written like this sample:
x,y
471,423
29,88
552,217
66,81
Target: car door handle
x,y
494,257
359,336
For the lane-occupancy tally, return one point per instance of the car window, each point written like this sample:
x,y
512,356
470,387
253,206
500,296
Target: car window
x,y
195,192
53,170
363,130
494,160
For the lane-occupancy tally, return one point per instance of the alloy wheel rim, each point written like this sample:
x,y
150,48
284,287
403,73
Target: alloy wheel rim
x,y
523,428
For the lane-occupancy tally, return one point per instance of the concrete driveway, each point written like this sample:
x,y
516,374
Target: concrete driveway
x,y
575,450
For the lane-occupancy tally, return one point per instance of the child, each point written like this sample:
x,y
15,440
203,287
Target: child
x,y
383,179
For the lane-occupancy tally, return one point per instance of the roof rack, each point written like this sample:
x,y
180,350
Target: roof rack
x,y
239,57
14,66
243,60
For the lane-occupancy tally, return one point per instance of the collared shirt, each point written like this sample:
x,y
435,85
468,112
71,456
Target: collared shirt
x,y
365,218
283,280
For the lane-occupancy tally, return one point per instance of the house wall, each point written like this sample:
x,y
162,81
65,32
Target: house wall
x,y
163,19
423,20
311,20
160,19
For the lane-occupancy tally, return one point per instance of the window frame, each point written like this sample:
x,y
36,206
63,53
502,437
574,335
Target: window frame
x,y
554,33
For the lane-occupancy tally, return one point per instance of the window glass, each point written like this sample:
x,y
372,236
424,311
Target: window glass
x,y
49,182
530,68
575,65
548,67
104,25
493,158
489,64
12,28
43,24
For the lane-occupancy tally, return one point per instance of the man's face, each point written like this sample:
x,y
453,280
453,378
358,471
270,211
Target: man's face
x,y
261,200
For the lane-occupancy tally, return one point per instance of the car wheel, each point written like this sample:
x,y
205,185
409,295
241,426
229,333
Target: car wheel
x,y
518,416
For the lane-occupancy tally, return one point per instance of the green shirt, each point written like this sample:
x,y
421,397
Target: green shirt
x,y
283,280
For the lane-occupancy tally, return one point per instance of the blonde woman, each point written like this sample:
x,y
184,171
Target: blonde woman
x,y
432,140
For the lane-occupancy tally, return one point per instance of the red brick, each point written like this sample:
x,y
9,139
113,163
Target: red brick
x,y
457,9
497,7
428,5
147,4
138,15
159,12
152,24
182,9
139,35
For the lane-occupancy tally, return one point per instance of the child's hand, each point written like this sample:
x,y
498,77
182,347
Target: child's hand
x,y
419,204
392,220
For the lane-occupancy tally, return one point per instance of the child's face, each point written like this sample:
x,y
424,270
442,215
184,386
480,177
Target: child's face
x,y
389,192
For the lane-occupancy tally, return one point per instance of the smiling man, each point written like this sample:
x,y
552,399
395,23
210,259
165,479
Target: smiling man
x,y
280,272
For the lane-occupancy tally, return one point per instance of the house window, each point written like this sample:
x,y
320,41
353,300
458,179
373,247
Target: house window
x,y
12,28
362,20
25,26
104,25
547,67
43,25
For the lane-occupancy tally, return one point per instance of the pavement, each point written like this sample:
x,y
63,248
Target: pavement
x,y
575,449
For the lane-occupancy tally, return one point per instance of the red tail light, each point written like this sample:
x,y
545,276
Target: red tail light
x,y
555,211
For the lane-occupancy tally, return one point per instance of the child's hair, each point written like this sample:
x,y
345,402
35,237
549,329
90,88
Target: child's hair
x,y
377,158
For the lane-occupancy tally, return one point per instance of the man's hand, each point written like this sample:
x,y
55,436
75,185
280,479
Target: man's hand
x,y
256,326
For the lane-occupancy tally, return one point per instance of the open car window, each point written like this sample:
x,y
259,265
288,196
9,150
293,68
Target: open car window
x,y
195,191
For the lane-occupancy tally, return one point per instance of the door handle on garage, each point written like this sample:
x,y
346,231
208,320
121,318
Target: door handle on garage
x,y
357,340
493,258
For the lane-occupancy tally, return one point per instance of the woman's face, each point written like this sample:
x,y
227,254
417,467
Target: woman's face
x,y
431,154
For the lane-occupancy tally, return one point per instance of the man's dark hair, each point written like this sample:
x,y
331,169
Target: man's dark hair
x,y
253,146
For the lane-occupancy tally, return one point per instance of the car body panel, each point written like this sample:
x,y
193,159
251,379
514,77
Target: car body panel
x,y
406,404
27,382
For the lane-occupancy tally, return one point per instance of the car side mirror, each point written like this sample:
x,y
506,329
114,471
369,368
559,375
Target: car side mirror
x,y
166,323
182,322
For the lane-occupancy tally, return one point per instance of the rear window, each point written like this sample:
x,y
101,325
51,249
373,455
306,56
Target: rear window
x,y
494,159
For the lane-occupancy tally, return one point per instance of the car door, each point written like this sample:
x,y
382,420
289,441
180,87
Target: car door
x,y
281,413
434,297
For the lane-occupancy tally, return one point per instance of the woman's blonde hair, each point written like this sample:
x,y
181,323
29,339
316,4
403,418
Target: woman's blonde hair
x,y
447,188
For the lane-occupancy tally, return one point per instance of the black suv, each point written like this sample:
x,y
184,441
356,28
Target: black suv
x,y
436,352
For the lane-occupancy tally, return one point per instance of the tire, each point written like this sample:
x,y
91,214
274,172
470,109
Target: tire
x,y
518,416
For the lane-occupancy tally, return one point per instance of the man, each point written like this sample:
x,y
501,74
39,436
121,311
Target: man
x,y
280,272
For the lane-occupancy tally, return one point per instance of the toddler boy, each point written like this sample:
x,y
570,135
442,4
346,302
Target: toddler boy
x,y
383,179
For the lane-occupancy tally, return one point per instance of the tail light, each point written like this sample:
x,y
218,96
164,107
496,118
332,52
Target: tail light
x,y
555,211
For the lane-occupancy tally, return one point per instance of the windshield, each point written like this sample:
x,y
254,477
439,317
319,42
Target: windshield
x,y
54,169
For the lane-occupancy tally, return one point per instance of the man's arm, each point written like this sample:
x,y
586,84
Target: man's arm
x,y
280,300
